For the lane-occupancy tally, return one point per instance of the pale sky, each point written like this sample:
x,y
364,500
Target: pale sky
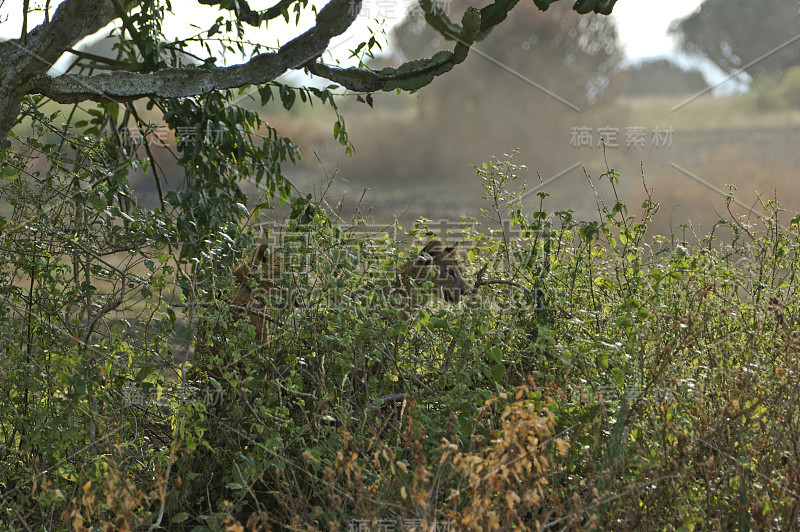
x,y
642,24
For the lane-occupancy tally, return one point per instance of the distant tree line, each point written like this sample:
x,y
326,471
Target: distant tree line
x,y
663,77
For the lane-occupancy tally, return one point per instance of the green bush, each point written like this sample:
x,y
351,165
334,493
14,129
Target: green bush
x,y
777,93
594,378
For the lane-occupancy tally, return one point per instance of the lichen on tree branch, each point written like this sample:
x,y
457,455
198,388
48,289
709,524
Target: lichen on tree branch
x,y
332,20
411,75
247,14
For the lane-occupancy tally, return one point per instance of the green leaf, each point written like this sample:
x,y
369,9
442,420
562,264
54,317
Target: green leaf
x,y
113,111
498,372
143,373
266,94
438,323
676,276
99,204
288,97
618,377
624,321
494,355
179,518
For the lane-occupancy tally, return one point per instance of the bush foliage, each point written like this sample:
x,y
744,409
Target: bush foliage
x,y
776,93
596,377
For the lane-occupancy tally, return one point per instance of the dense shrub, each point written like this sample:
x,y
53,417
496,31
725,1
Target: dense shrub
x,y
595,377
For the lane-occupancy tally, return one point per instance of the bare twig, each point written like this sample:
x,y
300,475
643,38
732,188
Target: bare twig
x,y
232,307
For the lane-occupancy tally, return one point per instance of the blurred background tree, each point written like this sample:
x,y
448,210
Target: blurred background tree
x,y
523,86
735,33
576,57
661,77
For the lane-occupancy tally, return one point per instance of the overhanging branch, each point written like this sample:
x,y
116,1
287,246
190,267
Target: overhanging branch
x,y
21,62
166,83
410,76
248,15
496,12
104,63
332,20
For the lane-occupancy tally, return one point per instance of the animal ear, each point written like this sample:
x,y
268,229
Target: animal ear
x,y
423,259
240,273
275,264
259,255
452,250
434,248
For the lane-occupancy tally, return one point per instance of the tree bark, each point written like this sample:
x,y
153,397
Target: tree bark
x,y
332,20
23,67
24,63
23,60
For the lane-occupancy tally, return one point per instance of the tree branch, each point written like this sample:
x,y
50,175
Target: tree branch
x,y
21,61
491,16
72,21
240,308
24,62
277,9
248,15
496,12
410,76
332,20
104,63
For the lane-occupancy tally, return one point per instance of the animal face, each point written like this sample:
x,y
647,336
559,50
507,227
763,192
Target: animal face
x,y
438,264
256,287
262,264
253,285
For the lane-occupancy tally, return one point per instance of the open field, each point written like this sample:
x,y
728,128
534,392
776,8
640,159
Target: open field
x,y
713,143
